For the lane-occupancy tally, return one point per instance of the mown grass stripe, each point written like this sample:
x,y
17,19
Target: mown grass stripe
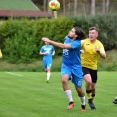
x,y
14,74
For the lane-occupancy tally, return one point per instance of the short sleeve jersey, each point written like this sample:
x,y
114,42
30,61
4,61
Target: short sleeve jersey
x,y
0,53
90,57
71,57
48,49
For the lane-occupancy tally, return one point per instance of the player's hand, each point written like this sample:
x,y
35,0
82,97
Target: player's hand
x,y
45,39
45,53
82,51
97,49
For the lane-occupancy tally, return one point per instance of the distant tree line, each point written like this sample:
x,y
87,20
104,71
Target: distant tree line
x,y
43,5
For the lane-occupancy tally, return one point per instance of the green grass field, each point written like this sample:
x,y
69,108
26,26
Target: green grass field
x,y
26,94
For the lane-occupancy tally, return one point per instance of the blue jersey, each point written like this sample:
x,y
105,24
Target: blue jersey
x,y
71,57
49,50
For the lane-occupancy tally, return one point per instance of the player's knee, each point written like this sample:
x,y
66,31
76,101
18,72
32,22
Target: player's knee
x,y
88,82
64,80
48,69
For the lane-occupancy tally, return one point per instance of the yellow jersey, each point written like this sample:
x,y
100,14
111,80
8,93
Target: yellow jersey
x,y
0,53
90,57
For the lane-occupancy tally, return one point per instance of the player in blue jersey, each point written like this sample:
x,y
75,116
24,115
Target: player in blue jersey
x,y
71,64
47,51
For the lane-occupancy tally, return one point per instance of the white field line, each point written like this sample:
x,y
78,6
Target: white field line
x,y
14,74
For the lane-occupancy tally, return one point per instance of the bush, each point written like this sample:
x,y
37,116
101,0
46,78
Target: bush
x,y
20,46
21,39
106,24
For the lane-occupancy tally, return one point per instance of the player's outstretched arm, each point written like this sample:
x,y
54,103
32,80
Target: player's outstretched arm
x,y
57,44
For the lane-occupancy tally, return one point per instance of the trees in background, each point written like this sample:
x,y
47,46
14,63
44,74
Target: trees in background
x,y
75,7
105,6
64,9
91,5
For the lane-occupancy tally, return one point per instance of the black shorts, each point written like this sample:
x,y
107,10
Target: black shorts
x,y
93,73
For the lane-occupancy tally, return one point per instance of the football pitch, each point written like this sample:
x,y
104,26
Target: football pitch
x,y
26,94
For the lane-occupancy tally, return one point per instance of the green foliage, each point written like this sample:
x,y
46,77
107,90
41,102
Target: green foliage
x,y
55,29
106,24
109,64
20,44
21,39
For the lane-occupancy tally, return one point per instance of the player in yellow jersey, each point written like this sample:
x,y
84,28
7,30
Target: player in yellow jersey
x,y
93,49
0,54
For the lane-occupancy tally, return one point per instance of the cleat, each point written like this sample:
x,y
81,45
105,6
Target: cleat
x,y
91,104
71,105
115,101
47,81
83,108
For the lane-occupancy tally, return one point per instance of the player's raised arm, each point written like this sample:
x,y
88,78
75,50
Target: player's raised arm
x,y
57,44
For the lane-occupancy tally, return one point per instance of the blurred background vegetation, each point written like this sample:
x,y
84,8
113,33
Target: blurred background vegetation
x,y
80,7
20,39
108,64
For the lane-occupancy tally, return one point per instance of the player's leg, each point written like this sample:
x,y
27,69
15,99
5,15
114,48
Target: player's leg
x,y
45,65
94,81
67,90
81,95
45,68
48,74
90,100
48,69
93,88
115,100
88,81
65,73
77,80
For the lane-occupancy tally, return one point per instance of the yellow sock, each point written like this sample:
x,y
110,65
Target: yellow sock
x,y
89,95
93,95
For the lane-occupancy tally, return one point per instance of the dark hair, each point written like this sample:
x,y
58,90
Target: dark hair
x,y
93,28
81,34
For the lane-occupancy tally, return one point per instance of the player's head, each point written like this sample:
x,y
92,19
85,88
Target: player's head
x,y
93,33
77,33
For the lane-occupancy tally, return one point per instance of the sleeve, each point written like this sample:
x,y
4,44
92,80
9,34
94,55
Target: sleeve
x,y
66,37
0,53
102,50
75,44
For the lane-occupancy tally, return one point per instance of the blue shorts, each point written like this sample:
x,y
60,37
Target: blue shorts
x,y
77,75
47,64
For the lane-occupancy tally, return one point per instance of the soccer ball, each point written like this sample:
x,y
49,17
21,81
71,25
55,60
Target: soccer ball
x,y
54,5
